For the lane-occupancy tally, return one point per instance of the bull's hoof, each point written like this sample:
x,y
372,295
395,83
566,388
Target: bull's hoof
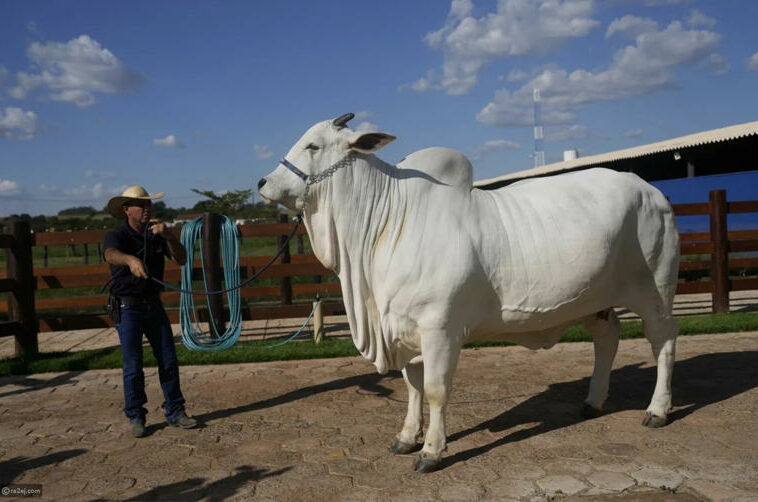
x,y
589,411
401,448
653,421
424,463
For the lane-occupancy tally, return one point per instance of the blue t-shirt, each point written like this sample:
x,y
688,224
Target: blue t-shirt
x,y
129,241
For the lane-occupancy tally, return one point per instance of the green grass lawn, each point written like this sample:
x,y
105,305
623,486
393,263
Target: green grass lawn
x,y
331,347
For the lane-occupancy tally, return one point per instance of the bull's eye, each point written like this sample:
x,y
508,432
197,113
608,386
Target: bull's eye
x,y
312,146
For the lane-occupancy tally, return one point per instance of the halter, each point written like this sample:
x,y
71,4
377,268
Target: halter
x,y
318,178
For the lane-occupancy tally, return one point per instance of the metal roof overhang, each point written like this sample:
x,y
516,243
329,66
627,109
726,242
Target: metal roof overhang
x,y
725,150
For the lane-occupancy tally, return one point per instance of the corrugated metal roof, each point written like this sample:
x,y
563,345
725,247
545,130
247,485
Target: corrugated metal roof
x,y
701,138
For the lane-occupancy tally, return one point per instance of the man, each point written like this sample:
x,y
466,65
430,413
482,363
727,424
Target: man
x,y
135,252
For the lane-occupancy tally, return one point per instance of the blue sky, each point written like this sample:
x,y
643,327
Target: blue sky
x,y
95,96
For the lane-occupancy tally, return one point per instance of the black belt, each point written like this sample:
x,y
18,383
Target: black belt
x,y
139,300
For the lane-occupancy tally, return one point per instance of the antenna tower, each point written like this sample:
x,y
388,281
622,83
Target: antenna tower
x,y
539,153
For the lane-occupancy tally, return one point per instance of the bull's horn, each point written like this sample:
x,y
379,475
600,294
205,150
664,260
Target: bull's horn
x,y
343,120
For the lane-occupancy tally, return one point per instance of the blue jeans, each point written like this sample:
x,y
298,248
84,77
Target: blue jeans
x,y
149,319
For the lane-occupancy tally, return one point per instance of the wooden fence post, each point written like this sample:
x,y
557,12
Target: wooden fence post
x,y
720,257
285,284
318,321
300,245
212,267
21,300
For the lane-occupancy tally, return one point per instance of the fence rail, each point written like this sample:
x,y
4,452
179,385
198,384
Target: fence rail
x,y
301,274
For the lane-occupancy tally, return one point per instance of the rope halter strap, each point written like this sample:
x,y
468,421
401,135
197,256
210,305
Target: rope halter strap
x,y
289,165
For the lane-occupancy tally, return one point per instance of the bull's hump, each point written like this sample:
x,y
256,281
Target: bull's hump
x,y
443,164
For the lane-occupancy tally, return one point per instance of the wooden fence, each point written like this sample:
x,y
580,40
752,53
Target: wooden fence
x,y
28,315
718,243
18,280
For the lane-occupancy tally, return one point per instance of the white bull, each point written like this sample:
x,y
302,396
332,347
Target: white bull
x,y
427,263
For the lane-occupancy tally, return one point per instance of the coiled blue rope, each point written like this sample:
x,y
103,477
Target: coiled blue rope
x,y
193,336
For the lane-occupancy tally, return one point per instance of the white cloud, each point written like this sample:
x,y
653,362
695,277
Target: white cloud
x,y
715,63
363,124
655,3
636,70
517,76
752,64
263,151
633,133
169,141
15,123
565,133
74,71
48,188
631,27
103,175
9,187
697,19
363,115
517,28
32,28
366,126
3,75
495,145
86,192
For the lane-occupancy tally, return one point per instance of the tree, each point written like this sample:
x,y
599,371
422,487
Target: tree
x,y
231,203
78,211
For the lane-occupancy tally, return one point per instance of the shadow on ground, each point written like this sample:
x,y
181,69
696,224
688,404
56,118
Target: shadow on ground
x,y
697,382
30,383
196,488
14,467
368,383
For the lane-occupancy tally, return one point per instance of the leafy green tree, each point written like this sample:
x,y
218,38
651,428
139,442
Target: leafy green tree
x,y
231,203
78,211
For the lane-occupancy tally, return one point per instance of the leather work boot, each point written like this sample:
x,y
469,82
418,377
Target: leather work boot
x,y
184,422
137,428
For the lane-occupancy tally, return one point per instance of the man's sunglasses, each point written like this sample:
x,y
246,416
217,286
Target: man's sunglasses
x,y
138,203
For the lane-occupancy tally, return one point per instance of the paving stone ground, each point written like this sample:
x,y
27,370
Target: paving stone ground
x,y
321,429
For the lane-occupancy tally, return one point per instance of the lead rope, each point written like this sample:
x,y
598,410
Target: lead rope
x,y
193,336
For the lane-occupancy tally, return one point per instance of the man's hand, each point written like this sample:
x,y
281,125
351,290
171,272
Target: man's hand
x,y
175,249
137,268
119,259
158,227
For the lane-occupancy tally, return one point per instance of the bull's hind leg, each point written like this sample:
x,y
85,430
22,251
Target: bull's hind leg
x,y
605,330
413,427
661,332
440,351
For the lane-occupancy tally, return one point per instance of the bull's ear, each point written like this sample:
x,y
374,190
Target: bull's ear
x,y
371,142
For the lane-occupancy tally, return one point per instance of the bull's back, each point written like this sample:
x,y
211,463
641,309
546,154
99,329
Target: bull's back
x,y
557,248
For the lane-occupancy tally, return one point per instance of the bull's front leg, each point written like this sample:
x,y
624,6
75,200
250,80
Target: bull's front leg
x,y
413,427
440,352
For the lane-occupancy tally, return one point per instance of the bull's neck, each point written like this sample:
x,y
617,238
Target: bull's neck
x,y
346,211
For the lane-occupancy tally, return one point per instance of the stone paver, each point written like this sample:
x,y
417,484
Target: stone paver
x,y
658,478
612,481
561,484
321,429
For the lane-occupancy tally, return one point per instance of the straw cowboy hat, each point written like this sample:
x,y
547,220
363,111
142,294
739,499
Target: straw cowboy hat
x,y
135,192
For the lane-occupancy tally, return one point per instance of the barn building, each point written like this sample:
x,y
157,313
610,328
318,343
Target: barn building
x,y
727,150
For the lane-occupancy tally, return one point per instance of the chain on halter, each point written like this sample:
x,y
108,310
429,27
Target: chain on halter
x,y
318,178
